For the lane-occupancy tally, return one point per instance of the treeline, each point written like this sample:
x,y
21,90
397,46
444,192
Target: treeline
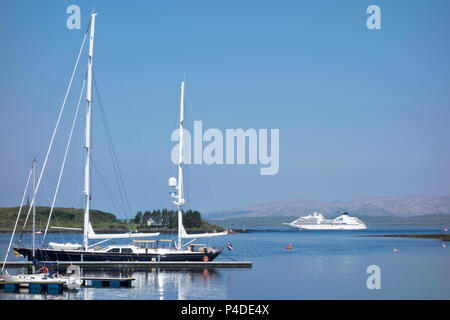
x,y
169,219
163,219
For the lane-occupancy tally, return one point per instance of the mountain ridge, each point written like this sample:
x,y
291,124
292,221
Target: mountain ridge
x,y
396,206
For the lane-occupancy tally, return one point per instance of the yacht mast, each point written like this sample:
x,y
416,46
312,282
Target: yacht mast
x,y
180,201
88,134
34,207
178,185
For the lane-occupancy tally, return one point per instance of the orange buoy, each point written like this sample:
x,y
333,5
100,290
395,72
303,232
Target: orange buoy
x,y
205,258
45,270
444,245
395,250
289,247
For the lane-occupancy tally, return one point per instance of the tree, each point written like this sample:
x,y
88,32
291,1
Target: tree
x,y
147,216
192,219
138,218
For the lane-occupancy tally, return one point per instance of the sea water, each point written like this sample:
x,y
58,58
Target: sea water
x,y
320,265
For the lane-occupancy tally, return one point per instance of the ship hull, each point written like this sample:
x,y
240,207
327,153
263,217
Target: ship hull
x,y
76,255
333,227
327,227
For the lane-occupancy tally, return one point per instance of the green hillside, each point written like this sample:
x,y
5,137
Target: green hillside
x,y
101,221
61,217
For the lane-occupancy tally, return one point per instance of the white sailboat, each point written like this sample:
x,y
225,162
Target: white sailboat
x,y
43,276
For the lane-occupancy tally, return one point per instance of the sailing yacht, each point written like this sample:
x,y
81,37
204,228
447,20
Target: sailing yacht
x,y
203,253
138,250
71,280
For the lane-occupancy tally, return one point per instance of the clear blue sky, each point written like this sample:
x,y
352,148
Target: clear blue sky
x,y
360,112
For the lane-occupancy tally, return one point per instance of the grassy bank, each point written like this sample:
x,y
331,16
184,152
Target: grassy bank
x,y
61,217
442,236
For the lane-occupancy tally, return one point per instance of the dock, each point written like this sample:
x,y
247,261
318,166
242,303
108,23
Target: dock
x,y
97,282
57,287
138,264
50,287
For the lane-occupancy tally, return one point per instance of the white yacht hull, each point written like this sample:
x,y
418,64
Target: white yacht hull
x,y
26,280
326,227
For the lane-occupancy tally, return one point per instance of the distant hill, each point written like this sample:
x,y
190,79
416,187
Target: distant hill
x,y
61,217
435,220
387,206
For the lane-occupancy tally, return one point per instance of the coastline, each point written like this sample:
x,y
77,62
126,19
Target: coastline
x,y
2,231
440,236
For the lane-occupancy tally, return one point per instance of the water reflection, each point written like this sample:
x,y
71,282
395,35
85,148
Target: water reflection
x,y
24,294
320,266
149,284
181,284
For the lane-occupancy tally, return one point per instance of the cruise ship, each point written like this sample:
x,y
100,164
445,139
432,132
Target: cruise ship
x,y
317,221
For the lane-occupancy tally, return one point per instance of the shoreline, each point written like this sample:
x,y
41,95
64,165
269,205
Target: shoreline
x,y
445,237
3,231
440,236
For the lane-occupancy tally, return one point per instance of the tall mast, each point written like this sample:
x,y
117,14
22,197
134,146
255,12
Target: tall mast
x,y
34,207
178,185
180,202
88,134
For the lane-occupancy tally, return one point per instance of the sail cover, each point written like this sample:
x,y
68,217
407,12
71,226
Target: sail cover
x,y
93,235
185,235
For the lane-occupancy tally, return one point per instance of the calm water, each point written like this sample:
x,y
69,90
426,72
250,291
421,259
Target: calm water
x,y
321,265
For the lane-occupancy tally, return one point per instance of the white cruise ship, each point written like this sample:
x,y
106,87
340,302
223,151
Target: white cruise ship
x,y
317,221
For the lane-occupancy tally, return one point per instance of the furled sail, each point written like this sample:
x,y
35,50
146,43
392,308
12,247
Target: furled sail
x,y
185,235
93,235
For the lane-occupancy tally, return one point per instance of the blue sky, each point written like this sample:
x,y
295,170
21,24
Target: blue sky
x,y
360,112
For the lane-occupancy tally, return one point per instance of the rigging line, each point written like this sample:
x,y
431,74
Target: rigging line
x,y
64,160
17,220
77,199
62,236
118,204
186,170
36,209
108,190
189,109
110,147
119,179
56,127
